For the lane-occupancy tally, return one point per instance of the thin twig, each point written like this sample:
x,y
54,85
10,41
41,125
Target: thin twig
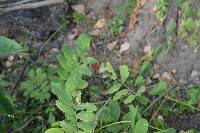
x,y
16,3
116,123
121,122
137,95
160,97
26,123
20,76
30,6
49,39
98,114
181,102
155,113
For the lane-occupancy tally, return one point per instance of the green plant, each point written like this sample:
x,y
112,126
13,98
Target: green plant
x,y
79,116
37,85
6,103
161,10
189,26
79,17
194,96
9,46
128,97
123,10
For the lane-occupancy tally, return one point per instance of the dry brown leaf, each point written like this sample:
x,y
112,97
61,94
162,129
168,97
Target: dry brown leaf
x,y
72,36
136,64
154,10
168,77
143,2
95,32
108,12
101,23
11,58
124,47
133,19
133,16
79,8
148,49
112,45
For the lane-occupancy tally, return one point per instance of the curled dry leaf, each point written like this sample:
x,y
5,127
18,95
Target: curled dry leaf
x,y
54,50
143,2
168,77
154,10
112,45
156,76
79,8
8,63
95,32
101,23
133,16
148,49
133,19
137,64
91,16
124,47
72,36
11,58
108,11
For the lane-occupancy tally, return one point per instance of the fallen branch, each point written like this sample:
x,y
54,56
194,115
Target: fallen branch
x,y
30,6
98,114
16,3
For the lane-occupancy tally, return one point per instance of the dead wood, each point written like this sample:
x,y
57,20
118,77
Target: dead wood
x,y
22,5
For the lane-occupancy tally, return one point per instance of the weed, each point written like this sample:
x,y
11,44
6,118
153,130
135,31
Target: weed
x,y
161,10
123,10
37,85
189,25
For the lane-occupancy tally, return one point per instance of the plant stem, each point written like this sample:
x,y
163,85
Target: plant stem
x,y
112,125
155,114
181,102
160,97
120,122
98,114
137,95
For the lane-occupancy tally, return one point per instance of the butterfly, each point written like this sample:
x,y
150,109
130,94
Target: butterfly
x,y
95,67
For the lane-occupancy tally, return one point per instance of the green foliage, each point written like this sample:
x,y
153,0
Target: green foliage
x,y
161,9
171,28
144,68
189,26
124,73
114,88
83,103
79,17
170,130
194,95
156,51
9,46
123,10
179,2
159,89
108,71
73,66
54,130
6,103
37,85
141,126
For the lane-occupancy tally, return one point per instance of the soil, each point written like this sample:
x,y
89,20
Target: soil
x,y
40,23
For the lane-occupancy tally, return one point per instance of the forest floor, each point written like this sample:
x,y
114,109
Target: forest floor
x,y
119,40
